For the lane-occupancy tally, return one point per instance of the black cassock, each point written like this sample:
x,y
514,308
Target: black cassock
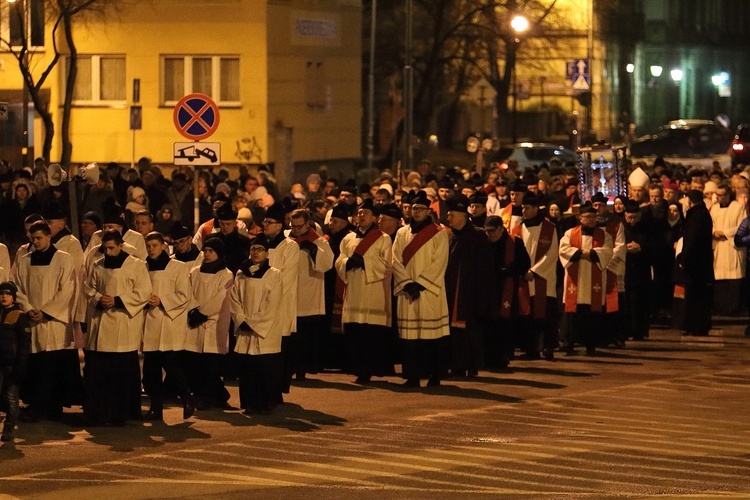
x,y
697,261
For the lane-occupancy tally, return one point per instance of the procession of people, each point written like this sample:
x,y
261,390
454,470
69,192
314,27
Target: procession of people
x,y
444,273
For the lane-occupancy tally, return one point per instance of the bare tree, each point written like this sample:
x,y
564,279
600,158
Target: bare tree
x,y
457,42
35,70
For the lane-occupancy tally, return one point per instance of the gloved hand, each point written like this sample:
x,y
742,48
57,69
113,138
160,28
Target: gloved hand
x,y
413,289
196,318
356,261
309,247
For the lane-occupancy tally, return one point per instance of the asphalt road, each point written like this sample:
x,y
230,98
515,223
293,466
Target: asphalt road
x,y
665,417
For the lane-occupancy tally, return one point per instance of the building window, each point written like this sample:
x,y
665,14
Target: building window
x,y
25,19
216,76
315,85
100,81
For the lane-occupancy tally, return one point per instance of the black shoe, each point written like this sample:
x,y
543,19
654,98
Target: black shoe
x,y
411,383
8,432
188,408
301,376
362,380
433,382
549,354
747,331
530,356
590,351
153,416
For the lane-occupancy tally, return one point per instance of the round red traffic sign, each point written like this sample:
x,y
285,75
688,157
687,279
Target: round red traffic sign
x,y
196,116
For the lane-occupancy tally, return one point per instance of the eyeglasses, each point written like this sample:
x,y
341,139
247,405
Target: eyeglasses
x,y
257,250
418,208
269,222
298,226
5,292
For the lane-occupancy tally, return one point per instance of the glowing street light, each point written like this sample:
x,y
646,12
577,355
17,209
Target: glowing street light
x,y
676,75
630,67
656,71
519,24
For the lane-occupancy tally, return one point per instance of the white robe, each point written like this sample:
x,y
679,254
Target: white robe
x,y
90,258
24,249
311,299
72,246
5,264
584,266
729,261
367,298
426,317
192,263
257,302
115,329
50,289
130,236
619,254
546,266
210,294
165,326
285,258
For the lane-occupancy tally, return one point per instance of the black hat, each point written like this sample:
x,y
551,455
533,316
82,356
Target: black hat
x,y
392,210
93,217
289,204
493,221
446,183
695,196
220,196
696,172
532,200
368,204
215,244
9,286
587,208
53,211
458,203
631,206
465,185
179,231
113,215
340,211
420,198
479,197
276,212
572,182
261,240
518,186
599,198
350,187
407,198
225,212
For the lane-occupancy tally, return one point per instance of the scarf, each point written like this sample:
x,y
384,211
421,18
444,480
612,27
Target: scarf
x,y
159,263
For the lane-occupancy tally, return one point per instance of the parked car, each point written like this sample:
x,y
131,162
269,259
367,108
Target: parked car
x,y
740,148
530,154
684,139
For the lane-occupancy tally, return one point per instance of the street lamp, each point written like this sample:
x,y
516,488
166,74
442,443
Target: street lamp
x,y
676,75
656,71
519,24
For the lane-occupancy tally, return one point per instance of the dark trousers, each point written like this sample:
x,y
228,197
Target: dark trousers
x,y
9,392
466,348
113,386
498,340
585,327
637,310
698,308
261,380
54,382
153,381
426,358
369,349
203,374
306,355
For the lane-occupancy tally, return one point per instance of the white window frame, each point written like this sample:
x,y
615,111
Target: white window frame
x,y
96,67
5,8
188,77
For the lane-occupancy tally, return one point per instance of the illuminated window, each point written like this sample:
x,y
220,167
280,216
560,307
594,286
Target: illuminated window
x,y
100,81
28,23
216,76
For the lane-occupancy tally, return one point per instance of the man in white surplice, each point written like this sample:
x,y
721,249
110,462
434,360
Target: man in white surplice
x,y
729,260
117,289
46,283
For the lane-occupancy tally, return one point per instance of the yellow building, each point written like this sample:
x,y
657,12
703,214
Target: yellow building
x,y
286,75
